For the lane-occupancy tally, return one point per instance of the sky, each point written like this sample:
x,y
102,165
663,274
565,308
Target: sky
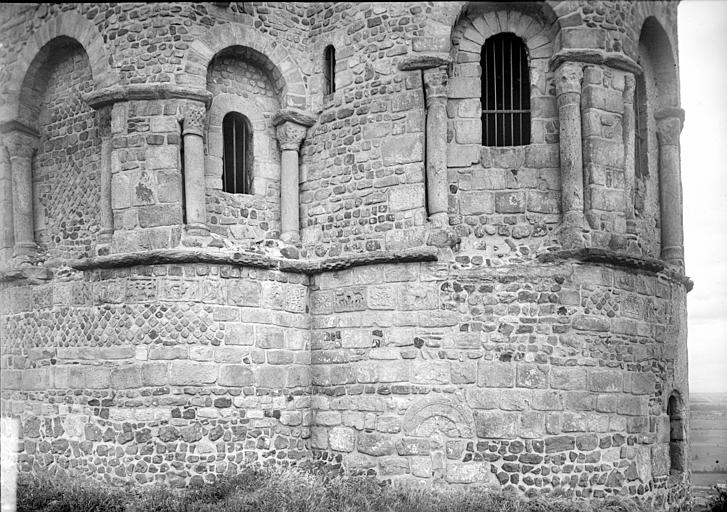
x,y
703,78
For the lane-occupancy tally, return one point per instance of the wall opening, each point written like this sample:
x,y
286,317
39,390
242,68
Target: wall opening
x,y
505,91
329,70
237,155
677,434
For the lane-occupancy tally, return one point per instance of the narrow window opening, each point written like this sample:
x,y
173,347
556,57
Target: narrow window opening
x,y
237,154
184,171
676,435
329,70
505,92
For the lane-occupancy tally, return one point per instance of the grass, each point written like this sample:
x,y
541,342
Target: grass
x,y
285,490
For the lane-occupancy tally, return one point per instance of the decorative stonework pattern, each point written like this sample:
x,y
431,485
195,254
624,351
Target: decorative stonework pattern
x,y
66,166
490,356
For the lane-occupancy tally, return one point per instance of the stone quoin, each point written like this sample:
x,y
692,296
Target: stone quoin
x,y
457,256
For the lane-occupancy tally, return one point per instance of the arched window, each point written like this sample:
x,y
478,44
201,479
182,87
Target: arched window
x,y
329,70
676,434
237,155
505,91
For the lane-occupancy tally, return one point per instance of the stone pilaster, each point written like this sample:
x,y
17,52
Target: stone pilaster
x,y
106,213
194,179
7,237
629,135
290,136
568,78
668,127
21,146
435,89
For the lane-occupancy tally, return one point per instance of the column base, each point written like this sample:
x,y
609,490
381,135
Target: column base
x,y
440,220
24,250
673,255
197,230
290,237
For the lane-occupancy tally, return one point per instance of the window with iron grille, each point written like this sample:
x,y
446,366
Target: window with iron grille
x,y
505,91
237,154
329,70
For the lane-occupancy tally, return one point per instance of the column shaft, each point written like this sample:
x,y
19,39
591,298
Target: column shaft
x,y
290,136
7,237
289,184
670,186
435,83
106,214
21,159
194,181
629,134
568,91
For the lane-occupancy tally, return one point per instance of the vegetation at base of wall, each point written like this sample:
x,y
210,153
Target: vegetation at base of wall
x,y
279,490
718,503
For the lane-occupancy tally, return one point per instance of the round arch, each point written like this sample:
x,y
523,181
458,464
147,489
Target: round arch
x,y
282,66
67,25
655,42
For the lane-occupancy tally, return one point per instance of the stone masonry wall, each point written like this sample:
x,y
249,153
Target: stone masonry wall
x,y
256,215
65,174
165,373
506,361
544,379
362,183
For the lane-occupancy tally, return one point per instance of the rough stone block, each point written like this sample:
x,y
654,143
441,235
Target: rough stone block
x,y
510,202
468,131
153,374
476,202
495,374
269,377
559,444
162,157
412,446
269,337
483,398
496,424
406,197
606,381
402,149
548,400
342,439
241,292
430,372
591,323
567,378
375,444
542,201
532,376
126,378
239,334
188,373
469,473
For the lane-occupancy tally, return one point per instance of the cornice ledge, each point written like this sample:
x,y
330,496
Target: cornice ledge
x,y
423,61
118,93
593,56
29,273
171,256
295,115
618,259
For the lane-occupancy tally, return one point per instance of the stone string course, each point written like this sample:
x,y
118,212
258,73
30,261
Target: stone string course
x,y
528,338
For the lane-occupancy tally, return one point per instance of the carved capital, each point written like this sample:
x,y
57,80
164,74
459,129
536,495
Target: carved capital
x,y
668,130
435,83
103,119
194,120
568,78
20,144
290,135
